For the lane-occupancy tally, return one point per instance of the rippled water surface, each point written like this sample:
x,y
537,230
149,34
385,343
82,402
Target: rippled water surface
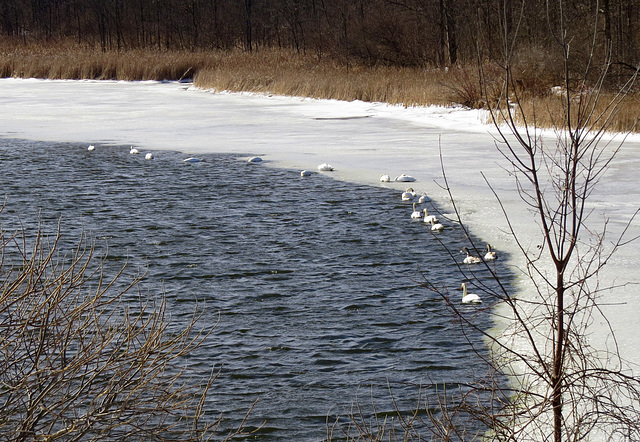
x,y
313,283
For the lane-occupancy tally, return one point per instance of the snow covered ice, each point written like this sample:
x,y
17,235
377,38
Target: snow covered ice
x,y
360,140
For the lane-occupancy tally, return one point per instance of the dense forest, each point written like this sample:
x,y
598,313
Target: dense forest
x,y
374,32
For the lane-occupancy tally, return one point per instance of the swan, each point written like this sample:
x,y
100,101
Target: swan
x,y
385,178
470,259
416,214
148,156
423,198
133,150
305,173
325,167
91,147
405,178
436,226
490,255
254,160
469,298
408,195
428,218
192,160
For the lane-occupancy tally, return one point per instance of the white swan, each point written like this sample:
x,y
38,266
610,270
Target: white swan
x,y
470,259
91,147
408,195
305,173
469,298
254,160
423,198
436,226
192,160
133,150
405,178
490,255
385,178
428,218
416,214
326,167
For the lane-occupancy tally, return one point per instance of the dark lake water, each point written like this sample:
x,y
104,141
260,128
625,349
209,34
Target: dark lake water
x,y
314,284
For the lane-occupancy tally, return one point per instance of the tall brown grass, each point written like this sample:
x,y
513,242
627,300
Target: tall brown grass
x,y
287,72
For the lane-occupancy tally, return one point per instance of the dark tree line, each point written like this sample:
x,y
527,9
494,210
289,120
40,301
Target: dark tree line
x,y
396,32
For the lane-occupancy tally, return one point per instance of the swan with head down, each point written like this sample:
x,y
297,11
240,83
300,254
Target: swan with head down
x,y
409,194
405,178
325,167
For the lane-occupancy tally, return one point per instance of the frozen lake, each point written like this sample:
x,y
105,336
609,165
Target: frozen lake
x,y
361,140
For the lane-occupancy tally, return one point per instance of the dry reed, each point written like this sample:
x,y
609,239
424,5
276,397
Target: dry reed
x,y
284,72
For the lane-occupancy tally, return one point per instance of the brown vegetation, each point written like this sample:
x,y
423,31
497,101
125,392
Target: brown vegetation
x,y
409,52
288,72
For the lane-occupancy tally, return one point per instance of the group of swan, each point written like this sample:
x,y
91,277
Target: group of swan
x,y
410,195
416,214
402,178
149,155
324,167
471,259
134,151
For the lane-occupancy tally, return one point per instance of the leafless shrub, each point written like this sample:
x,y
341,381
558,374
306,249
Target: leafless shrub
x,y
85,356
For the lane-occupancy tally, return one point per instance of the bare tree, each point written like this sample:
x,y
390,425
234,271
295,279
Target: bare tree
x,y
84,356
561,384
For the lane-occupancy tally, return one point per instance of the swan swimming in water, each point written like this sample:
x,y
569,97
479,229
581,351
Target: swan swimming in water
x,y
254,160
436,226
490,255
192,160
91,147
470,259
305,173
326,167
416,214
133,150
428,218
408,195
405,178
469,298
385,178
423,198
148,156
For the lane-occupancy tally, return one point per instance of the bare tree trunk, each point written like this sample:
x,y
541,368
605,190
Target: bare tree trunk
x,y
248,30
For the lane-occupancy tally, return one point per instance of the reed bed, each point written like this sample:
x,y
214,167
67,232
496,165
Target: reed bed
x,y
607,112
285,72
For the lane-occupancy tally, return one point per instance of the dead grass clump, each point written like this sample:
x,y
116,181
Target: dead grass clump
x,y
550,111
